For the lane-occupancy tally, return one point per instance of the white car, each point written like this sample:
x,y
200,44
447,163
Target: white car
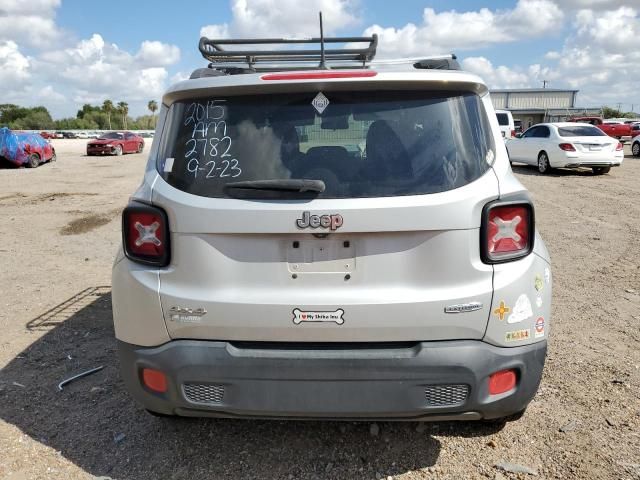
x,y
269,271
566,145
507,124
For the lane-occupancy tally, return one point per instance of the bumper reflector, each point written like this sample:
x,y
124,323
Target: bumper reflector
x,y
154,380
502,381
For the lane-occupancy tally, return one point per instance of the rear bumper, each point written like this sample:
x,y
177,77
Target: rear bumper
x,y
445,380
573,160
592,164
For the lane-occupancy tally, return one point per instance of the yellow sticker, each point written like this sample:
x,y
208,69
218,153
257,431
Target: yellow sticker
x,y
517,335
502,310
539,284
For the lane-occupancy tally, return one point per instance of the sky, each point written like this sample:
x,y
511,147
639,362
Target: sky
x,y
65,53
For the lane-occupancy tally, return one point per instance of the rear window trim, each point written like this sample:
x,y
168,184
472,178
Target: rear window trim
x,y
486,163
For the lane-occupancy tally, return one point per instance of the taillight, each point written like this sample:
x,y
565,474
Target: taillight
x,y
321,75
619,147
507,231
513,133
145,235
567,147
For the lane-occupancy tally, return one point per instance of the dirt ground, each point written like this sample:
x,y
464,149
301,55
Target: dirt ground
x,y
59,231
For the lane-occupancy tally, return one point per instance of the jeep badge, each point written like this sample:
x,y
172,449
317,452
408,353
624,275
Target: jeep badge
x,y
332,222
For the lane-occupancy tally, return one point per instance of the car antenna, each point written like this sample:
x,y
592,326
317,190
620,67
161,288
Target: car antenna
x,y
323,65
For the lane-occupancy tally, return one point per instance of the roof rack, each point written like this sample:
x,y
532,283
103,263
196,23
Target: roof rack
x,y
213,51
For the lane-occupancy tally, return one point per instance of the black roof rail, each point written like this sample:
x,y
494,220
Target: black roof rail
x,y
214,51
446,63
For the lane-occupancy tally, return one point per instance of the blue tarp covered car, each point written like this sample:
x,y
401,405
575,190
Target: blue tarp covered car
x,y
25,149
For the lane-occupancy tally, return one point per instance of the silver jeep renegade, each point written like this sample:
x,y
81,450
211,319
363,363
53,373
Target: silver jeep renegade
x,y
322,235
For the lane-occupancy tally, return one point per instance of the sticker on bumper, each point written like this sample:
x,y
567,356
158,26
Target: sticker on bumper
x,y
539,328
517,335
502,310
538,283
521,311
336,317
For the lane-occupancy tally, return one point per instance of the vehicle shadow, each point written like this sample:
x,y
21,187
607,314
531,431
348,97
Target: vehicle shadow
x,y
96,425
530,170
4,163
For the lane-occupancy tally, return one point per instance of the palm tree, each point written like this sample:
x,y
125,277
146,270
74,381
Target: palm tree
x,y
123,108
107,106
153,106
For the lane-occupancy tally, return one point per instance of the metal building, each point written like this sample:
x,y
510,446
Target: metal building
x,y
536,105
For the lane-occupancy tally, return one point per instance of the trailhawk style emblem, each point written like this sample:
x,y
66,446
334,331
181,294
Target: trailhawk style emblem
x,y
186,315
332,222
463,307
299,316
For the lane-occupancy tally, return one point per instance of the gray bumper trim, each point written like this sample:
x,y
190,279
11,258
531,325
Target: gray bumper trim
x,y
374,382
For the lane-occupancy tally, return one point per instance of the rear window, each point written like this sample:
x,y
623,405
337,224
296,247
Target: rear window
x,y
580,131
360,144
503,119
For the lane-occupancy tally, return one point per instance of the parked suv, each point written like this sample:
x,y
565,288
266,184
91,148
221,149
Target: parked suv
x,y
507,124
330,243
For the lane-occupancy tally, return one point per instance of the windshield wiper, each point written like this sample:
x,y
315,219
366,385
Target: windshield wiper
x,y
299,185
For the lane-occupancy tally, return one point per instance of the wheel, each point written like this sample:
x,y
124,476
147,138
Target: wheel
x,y
118,150
140,147
635,149
34,160
600,170
543,163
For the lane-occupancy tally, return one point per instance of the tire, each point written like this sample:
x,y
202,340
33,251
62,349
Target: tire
x,y
118,150
53,157
543,163
635,149
140,148
34,160
601,170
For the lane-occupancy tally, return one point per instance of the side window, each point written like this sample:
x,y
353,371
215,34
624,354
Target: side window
x,y
542,132
128,136
532,132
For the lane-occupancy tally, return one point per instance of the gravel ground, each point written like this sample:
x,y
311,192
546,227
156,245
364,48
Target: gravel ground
x,y
59,230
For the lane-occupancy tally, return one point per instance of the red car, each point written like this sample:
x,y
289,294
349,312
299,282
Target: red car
x,y
619,130
115,143
47,135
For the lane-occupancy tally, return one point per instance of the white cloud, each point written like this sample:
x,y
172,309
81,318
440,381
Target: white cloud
x,y
285,18
29,22
451,30
14,66
179,77
157,54
497,77
92,70
601,58
215,31
594,4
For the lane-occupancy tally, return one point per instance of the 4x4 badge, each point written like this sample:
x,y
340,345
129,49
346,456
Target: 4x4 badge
x,y
332,222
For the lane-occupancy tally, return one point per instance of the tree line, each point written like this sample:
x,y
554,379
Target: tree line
x,y
108,116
